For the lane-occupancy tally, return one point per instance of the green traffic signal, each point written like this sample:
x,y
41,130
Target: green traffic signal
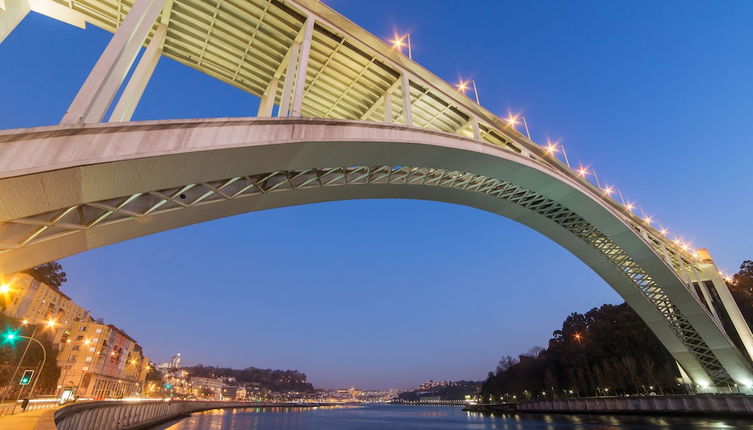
x,y
168,386
26,377
10,336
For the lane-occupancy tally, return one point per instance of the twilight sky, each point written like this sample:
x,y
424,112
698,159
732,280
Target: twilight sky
x,y
656,96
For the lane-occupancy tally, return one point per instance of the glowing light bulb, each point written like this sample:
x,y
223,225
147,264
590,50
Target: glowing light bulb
x,y
462,86
608,190
551,148
630,206
583,171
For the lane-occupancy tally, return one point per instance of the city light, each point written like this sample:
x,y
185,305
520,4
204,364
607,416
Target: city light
x,y
583,171
512,120
5,288
398,42
25,322
51,323
648,220
551,148
462,86
608,190
630,206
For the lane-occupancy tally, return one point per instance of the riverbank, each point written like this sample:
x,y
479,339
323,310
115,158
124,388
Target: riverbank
x,y
733,405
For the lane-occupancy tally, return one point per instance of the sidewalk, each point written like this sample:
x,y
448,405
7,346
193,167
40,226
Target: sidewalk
x,y
23,420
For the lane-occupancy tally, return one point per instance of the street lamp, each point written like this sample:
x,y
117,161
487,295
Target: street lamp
x,y
462,86
512,121
399,41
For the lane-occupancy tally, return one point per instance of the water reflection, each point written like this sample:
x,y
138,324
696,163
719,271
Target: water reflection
x,y
380,417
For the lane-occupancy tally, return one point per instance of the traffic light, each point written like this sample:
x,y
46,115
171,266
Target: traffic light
x,y
10,336
168,386
26,377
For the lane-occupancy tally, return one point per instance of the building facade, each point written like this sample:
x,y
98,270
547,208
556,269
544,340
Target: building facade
x,y
38,303
101,361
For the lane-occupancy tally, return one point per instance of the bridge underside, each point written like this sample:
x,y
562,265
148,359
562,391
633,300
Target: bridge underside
x,y
67,189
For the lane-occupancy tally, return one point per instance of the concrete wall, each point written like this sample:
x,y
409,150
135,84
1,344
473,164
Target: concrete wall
x,y
125,415
657,405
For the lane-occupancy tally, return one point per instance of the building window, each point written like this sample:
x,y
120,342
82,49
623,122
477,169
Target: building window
x,y
88,359
72,357
83,328
79,337
76,347
99,330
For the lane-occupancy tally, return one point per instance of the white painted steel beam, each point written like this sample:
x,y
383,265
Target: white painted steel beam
x,y
104,81
137,84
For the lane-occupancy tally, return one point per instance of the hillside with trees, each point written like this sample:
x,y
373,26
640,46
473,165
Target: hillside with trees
x,y
275,380
456,390
607,350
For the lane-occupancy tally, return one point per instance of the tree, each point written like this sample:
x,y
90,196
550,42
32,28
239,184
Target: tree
x,y
741,288
49,273
606,348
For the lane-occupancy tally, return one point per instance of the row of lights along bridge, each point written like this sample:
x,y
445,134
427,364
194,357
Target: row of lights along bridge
x,y
400,42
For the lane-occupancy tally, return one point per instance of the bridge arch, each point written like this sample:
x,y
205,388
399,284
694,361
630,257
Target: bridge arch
x,y
67,189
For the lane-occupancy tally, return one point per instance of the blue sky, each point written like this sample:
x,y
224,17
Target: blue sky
x,y
656,96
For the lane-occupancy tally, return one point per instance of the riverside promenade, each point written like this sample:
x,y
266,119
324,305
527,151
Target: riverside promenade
x,y
700,404
120,415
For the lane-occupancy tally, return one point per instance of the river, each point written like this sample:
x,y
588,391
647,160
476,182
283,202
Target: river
x,y
387,417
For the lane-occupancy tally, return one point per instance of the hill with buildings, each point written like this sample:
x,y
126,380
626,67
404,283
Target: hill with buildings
x,y
270,379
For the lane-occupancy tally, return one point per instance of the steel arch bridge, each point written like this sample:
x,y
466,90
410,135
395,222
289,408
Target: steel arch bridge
x,y
341,116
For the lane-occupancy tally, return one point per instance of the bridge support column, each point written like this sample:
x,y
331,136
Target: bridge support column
x,y
288,83
303,66
141,76
102,84
407,105
267,101
475,128
728,302
388,108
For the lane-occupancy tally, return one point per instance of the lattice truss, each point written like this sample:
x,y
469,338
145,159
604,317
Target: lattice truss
x,y
47,226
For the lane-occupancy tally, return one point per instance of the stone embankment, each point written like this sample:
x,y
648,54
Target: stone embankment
x,y
700,404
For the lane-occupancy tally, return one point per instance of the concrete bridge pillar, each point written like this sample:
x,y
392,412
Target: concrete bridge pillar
x,y
104,81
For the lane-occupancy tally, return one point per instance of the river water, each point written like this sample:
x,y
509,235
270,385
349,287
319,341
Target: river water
x,y
387,417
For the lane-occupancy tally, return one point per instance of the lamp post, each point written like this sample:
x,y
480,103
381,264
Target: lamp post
x,y
34,384
512,120
398,43
463,86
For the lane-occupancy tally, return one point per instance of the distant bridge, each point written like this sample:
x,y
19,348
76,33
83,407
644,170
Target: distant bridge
x,y
341,116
